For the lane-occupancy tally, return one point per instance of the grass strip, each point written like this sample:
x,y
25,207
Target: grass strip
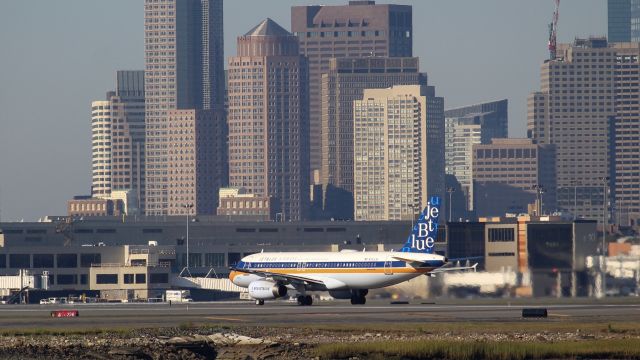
x,y
490,350
463,328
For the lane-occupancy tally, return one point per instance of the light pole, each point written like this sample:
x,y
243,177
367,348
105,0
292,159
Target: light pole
x,y
605,183
188,208
539,191
450,190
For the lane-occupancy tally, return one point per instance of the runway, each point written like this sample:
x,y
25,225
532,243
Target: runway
x,y
283,313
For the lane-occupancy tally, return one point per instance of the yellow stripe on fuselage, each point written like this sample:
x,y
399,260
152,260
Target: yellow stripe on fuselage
x,y
403,270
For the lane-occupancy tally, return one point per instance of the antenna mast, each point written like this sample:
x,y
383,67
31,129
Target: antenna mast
x,y
553,31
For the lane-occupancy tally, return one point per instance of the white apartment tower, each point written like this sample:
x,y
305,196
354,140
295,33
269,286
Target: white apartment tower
x,y
398,152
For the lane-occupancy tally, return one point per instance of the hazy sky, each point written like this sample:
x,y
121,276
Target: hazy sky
x,y
58,56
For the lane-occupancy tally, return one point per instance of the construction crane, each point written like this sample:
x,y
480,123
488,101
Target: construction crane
x,y
553,31
65,227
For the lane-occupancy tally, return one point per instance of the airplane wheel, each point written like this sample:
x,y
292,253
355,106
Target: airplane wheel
x,y
301,300
358,300
259,302
308,300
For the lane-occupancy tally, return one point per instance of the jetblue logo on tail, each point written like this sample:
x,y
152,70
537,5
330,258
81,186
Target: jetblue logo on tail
x,y
424,233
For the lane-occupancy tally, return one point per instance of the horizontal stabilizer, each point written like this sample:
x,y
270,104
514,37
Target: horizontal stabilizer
x,y
458,268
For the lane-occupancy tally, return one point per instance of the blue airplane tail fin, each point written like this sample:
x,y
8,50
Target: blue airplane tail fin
x,y
425,230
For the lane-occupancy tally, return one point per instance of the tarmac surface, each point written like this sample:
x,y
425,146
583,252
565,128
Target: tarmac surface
x,y
283,313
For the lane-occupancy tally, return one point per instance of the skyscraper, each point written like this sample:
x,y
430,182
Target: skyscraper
x,y
575,110
627,133
196,161
359,29
465,127
118,137
345,82
101,148
184,69
623,20
398,152
268,119
128,135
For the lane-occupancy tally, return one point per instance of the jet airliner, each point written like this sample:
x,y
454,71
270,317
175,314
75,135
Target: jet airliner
x,y
346,274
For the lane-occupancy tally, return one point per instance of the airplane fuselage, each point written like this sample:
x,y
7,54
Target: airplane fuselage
x,y
338,270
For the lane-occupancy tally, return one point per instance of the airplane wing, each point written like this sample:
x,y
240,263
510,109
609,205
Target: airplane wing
x,y
457,268
281,277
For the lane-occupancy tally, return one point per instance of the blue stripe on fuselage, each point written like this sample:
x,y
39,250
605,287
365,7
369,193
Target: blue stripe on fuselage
x,y
333,264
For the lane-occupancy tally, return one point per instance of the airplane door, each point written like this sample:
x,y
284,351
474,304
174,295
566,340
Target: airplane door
x,y
302,266
388,267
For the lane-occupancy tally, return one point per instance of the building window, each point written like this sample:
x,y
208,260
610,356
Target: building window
x,y
3,261
83,231
84,279
19,261
67,279
214,259
195,259
501,235
87,259
128,278
106,231
159,278
67,260
502,254
43,260
36,231
106,278
233,258
141,278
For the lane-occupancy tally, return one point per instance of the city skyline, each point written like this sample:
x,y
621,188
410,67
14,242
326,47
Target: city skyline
x,y
42,103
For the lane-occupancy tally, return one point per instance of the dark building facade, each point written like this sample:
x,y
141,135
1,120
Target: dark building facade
x,y
344,83
623,20
268,119
184,69
557,254
359,29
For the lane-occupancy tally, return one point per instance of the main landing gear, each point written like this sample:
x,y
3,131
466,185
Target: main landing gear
x,y
358,297
305,300
259,302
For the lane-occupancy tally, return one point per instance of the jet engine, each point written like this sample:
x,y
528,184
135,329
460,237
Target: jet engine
x,y
265,290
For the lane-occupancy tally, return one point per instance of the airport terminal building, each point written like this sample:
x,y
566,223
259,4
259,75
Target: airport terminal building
x,y
140,258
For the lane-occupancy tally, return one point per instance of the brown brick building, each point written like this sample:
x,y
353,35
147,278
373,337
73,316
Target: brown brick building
x,y
268,121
